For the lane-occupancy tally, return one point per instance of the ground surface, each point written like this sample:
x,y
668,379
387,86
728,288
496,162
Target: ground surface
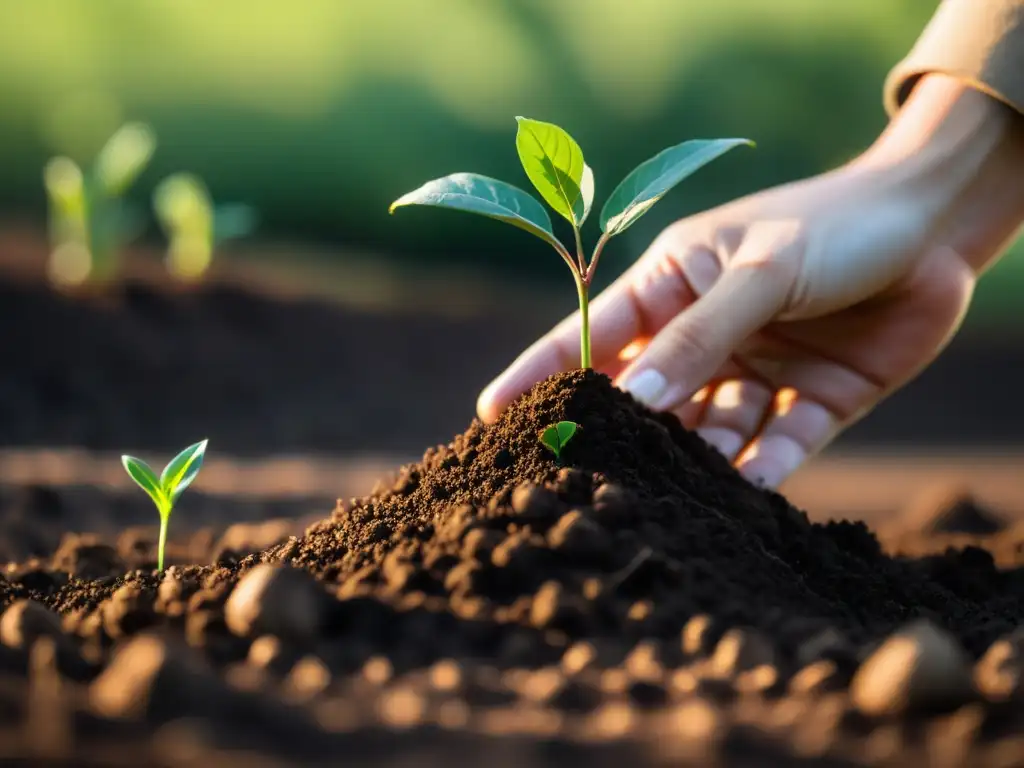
x,y
320,363
640,602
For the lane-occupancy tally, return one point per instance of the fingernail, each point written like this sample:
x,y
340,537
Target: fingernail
x,y
648,387
726,441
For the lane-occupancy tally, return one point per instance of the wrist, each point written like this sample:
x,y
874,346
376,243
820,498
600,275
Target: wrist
x,y
960,154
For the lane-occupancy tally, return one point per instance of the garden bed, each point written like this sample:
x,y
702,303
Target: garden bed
x,y
262,369
640,602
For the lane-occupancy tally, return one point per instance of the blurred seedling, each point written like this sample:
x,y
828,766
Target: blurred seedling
x,y
194,226
88,217
168,487
554,163
555,437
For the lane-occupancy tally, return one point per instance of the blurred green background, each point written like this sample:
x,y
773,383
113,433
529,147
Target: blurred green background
x,y
320,112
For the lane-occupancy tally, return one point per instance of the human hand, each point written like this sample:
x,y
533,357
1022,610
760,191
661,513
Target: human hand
x,y
771,323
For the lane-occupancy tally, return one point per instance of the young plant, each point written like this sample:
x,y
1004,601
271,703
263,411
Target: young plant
x,y
194,226
555,437
554,163
165,489
89,219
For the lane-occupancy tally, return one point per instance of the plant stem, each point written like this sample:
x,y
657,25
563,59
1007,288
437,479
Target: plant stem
x,y
584,290
162,543
579,251
589,274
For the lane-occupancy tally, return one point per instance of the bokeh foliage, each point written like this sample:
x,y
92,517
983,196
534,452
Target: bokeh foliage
x,y
320,112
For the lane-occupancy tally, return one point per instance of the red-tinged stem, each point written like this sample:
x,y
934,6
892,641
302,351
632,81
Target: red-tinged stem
x,y
588,275
580,259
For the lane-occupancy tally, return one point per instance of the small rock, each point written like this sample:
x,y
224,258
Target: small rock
x,y
740,650
579,537
575,486
817,677
25,621
696,635
535,502
553,608
277,600
1000,672
126,612
643,662
479,543
308,678
87,558
920,668
149,679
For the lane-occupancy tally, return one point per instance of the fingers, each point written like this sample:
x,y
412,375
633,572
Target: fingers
x,y
734,415
696,343
798,429
660,285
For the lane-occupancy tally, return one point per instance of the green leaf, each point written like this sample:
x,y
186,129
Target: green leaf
x,y
182,470
549,437
566,429
125,155
557,435
554,162
648,182
146,479
474,193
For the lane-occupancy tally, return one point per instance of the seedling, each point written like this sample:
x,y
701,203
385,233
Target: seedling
x,y
554,163
555,437
89,219
165,489
194,226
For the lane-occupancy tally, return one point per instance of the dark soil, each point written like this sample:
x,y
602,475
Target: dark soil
x,y
262,373
641,603
149,366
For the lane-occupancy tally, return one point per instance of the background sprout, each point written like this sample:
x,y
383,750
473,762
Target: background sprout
x,y
89,221
165,489
554,163
194,226
555,437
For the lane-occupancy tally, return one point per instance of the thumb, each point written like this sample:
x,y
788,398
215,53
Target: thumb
x,y
752,290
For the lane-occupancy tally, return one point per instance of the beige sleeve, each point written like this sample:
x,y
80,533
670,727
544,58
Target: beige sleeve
x,y
978,41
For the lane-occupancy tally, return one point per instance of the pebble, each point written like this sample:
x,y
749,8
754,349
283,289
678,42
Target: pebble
x,y
919,668
695,637
25,621
1000,672
147,678
277,600
740,650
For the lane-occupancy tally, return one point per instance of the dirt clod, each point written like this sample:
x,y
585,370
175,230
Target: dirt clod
x,y
488,600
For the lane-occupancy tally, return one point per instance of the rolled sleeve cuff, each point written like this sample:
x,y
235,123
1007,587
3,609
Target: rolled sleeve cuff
x,y
978,41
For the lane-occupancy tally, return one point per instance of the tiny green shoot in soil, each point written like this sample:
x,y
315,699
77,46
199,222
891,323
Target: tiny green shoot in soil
x,y
89,218
555,437
194,226
554,163
168,487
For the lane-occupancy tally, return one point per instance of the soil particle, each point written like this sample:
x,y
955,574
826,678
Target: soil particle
x,y
638,604
919,668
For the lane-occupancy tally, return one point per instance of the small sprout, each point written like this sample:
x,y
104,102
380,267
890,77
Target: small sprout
x,y
89,220
555,437
165,489
194,226
554,163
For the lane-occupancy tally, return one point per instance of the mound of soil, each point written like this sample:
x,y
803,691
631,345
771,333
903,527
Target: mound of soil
x,y
640,601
